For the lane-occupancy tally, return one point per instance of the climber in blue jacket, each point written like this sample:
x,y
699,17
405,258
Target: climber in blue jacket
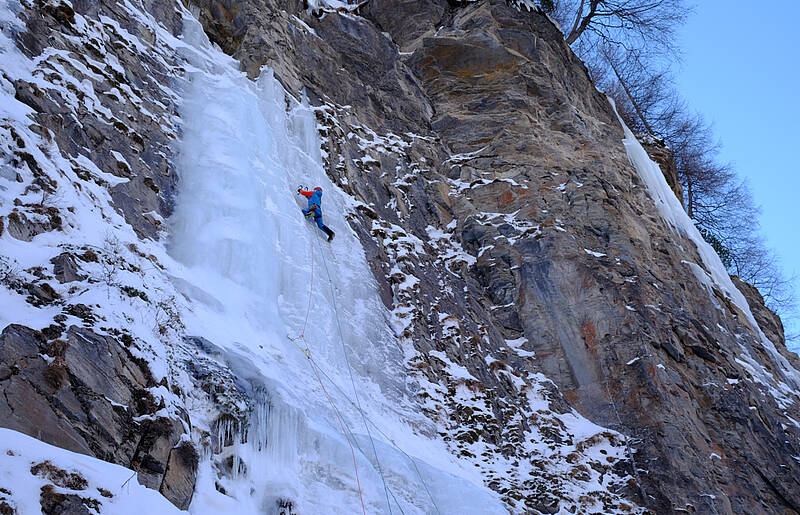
x,y
315,209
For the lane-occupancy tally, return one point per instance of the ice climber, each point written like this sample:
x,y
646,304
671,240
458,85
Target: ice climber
x,y
315,210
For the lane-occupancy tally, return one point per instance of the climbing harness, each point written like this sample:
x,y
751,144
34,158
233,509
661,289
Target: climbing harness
x,y
304,348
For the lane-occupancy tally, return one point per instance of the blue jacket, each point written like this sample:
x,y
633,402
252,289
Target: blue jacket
x,y
314,199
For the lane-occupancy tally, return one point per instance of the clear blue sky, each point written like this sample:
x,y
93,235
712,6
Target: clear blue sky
x,y
742,71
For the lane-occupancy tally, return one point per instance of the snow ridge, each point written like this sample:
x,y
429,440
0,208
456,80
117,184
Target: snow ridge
x,y
785,388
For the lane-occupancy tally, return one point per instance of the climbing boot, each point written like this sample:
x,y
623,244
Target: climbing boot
x,y
330,233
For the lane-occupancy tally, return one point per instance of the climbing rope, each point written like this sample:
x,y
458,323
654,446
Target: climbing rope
x,y
341,424
362,452
367,421
388,439
352,381
314,366
310,295
345,432
358,403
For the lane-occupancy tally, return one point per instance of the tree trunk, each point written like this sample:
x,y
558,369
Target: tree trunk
x,y
689,198
630,96
572,37
577,29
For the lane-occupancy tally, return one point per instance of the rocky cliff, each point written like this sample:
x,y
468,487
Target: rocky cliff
x,y
529,267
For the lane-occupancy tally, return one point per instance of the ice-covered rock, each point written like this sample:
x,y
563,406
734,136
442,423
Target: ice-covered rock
x,y
512,316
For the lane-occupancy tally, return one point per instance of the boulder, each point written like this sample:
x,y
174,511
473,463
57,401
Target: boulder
x,y
181,474
65,268
82,394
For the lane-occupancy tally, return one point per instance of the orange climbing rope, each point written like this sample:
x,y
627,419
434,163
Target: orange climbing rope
x,y
317,370
310,293
314,365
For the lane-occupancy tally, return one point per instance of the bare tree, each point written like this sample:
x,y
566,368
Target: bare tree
x,y
722,207
628,47
647,21
649,91
717,201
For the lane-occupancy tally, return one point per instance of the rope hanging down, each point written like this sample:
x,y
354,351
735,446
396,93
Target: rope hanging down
x,y
318,370
341,424
358,405
388,439
345,432
307,352
352,381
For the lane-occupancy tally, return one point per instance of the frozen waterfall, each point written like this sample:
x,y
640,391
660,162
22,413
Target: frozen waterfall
x,y
249,261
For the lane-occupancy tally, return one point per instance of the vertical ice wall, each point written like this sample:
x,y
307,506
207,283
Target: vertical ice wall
x,y
254,270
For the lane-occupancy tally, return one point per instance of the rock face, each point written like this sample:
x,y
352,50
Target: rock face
x,y
180,476
121,140
768,321
99,105
86,393
484,164
661,154
482,133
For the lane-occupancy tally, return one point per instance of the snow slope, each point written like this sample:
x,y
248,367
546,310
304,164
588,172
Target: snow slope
x,y
19,453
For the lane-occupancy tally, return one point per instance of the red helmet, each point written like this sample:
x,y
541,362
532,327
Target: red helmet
x,y
317,189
